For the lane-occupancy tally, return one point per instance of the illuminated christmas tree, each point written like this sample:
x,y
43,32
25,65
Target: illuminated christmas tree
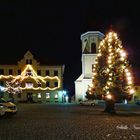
x,y
112,80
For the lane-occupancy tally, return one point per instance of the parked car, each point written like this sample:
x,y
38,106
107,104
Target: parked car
x,y
138,102
88,102
2,110
8,107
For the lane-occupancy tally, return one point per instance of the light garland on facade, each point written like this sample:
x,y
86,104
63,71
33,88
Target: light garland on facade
x,y
30,73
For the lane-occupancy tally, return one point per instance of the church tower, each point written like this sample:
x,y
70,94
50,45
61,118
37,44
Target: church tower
x,y
90,42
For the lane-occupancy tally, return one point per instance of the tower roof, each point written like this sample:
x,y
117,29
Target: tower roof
x,y
92,33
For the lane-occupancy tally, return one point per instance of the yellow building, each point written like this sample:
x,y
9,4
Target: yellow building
x,y
137,93
37,83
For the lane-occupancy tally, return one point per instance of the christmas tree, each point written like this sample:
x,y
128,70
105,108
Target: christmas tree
x,y
112,80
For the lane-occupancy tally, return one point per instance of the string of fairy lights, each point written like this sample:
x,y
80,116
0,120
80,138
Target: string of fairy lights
x,y
28,73
115,51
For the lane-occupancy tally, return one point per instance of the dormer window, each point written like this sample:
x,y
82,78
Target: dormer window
x,y
27,62
30,61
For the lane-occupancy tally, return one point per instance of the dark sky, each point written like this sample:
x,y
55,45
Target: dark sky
x,y
51,31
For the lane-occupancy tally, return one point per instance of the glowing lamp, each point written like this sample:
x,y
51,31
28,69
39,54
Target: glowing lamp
x,y
131,91
91,85
129,82
128,73
109,61
101,43
108,96
122,58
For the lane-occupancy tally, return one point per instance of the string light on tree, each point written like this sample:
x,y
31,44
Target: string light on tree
x,y
112,72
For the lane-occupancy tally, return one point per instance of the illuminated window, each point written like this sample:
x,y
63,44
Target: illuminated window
x,y
47,84
55,84
10,71
56,96
29,85
47,95
55,73
47,72
39,95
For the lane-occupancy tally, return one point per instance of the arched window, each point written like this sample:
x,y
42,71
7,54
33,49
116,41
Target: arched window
x,y
93,47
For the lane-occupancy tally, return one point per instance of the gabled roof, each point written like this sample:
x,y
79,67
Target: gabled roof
x,y
28,54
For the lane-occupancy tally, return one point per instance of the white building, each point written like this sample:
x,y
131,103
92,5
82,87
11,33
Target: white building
x,y
90,42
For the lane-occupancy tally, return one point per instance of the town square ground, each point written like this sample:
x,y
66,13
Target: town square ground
x,y
71,122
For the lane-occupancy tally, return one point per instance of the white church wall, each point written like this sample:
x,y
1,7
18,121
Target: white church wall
x,y
88,60
78,91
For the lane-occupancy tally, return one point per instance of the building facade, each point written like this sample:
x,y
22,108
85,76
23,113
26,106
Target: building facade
x,y
90,42
29,81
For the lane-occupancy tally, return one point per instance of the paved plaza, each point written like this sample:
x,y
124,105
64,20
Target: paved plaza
x,y
70,122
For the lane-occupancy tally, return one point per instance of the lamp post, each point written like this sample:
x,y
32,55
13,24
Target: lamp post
x,y
64,96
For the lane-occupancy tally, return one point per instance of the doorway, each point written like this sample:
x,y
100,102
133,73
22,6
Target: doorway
x,y
30,97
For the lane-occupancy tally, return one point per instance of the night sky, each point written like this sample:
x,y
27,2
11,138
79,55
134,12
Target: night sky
x,y
51,31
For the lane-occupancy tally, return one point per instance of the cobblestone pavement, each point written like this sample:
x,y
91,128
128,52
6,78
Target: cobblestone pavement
x,y
70,122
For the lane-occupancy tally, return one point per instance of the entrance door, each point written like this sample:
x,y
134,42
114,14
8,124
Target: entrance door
x,y
30,97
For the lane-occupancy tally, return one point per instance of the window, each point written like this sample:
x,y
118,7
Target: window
x,y
47,84
1,83
93,48
55,73
29,73
29,85
47,72
39,95
10,71
1,95
56,96
92,67
19,72
19,95
1,71
30,61
39,84
47,95
38,72
27,61
10,95
85,40
55,84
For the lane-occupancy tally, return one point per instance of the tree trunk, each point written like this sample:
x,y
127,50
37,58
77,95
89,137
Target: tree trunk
x,y
110,106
